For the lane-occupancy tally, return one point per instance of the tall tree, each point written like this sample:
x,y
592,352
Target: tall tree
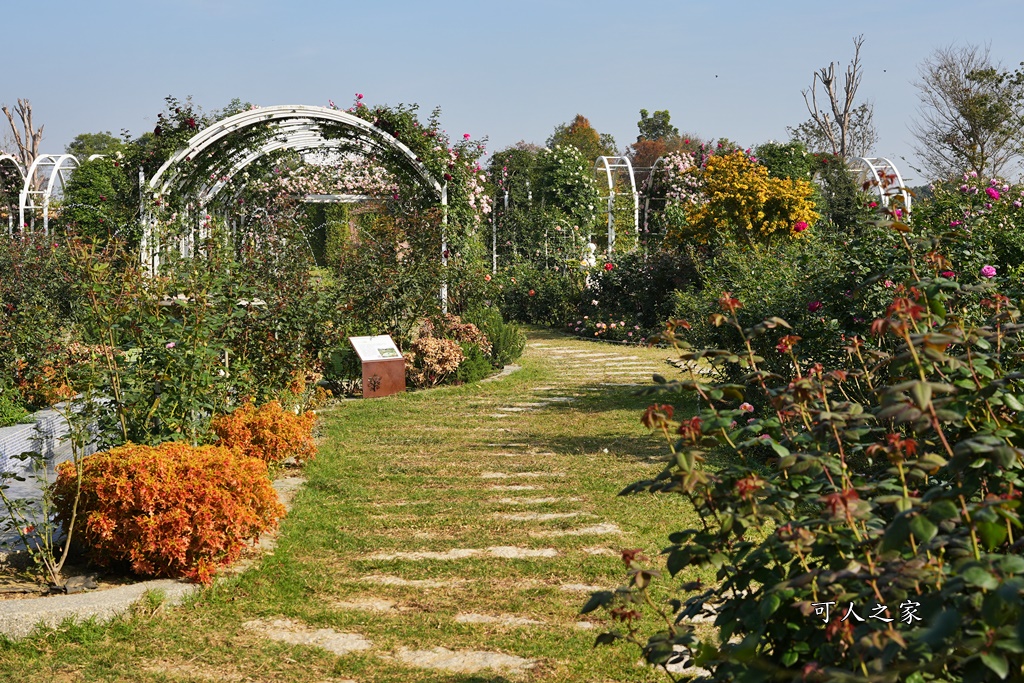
x,y
971,113
657,126
580,134
86,144
835,122
861,136
27,137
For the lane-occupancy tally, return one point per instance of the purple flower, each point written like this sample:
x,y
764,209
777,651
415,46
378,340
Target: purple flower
x,y
815,306
992,192
169,345
988,271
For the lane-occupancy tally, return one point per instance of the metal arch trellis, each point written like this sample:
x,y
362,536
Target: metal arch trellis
x,y
609,164
883,175
56,164
9,161
297,127
649,190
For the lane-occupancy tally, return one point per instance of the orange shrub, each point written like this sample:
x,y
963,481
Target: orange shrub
x,y
269,432
170,510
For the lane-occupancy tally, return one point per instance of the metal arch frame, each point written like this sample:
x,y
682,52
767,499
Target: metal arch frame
x,y
648,188
611,163
302,142
55,162
21,176
302,117
868,170
295,118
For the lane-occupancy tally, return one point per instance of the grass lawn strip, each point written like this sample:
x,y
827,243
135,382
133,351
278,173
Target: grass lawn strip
x,y
399,540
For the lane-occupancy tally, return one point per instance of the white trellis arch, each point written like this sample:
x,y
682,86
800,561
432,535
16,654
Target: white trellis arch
x,y
649,189
883,175
295,127
609,165
6,160
46,170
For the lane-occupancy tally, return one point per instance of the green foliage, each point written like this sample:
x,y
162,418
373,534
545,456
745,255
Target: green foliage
x,y
525,293
101,202
506,338
475,365
86,144
890,487
579,134
11,410
36,318
841,202
656,126
785,159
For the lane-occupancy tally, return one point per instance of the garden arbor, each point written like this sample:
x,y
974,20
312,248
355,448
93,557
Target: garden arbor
x,y
882,175
610,168
218,153
12,175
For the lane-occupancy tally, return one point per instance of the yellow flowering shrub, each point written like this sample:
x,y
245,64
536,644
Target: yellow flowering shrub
x,y
742,202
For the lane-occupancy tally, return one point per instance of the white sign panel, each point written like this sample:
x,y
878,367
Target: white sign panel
x,y
380,347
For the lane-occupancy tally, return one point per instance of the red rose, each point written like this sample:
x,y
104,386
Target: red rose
x,y
531,292
609,266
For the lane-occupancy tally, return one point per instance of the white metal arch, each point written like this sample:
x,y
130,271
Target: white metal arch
x,y
883,175
288,120
8,160
649,188
56,167
609,165
298,127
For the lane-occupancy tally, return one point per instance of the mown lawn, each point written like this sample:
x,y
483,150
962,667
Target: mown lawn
x,y
416,472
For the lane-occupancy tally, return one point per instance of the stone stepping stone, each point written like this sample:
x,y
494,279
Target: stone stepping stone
x,y
600,551
498,416
535,516
367,605
532,501
297,633
505,551
515,409
531,475
511,455
584,625
558,399
388,580
529,405
502,619
463,661
594,530
580,588
516,487
544,388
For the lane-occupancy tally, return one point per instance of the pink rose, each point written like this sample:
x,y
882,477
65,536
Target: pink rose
x,y
992,192
988,271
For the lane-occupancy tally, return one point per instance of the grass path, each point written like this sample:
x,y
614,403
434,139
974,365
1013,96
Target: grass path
x,y
449,535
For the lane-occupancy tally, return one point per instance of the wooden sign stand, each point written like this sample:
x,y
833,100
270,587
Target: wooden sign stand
x,y
383,365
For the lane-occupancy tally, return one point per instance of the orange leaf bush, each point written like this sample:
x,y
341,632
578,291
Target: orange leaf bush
x,y
170,510
269,432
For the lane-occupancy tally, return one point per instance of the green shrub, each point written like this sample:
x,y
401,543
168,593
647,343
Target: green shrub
x,y
507,340
474,366
893,493
11,411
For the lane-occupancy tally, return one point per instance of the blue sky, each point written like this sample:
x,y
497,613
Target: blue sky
x,y
508,71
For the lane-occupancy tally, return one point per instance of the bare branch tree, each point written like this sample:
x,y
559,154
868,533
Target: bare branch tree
x,y
27,138
836,123
970,114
